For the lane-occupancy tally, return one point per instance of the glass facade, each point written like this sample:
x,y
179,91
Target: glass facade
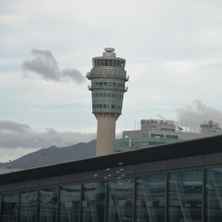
x,y
185,196
93,202
151,198
192,195
0,206
214,195
70,203
48,205
29,207
121,202
10,208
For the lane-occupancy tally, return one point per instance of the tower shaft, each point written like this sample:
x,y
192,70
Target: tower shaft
x,y
106,127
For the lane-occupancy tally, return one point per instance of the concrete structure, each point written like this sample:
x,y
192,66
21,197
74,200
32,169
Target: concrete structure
x,y
156,132
108,78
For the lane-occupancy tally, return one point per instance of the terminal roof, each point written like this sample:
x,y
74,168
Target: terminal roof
x,y
196,147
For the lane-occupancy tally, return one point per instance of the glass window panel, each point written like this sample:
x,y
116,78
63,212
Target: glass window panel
x,y
28,208
185,196
93,202
48,205
0,204
214,195
121,201
150,201
70,200
10,208
0,207
109,62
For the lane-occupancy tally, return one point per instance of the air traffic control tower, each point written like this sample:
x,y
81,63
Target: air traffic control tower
x,y
108,78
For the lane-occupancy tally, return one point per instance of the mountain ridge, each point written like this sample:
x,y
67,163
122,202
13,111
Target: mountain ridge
x,y
53,155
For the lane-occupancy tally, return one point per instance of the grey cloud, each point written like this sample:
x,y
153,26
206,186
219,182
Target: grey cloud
x,y
198,113
17,135
73,74
10,126
45,65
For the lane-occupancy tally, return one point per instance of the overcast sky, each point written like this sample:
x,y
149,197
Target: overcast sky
x,y
173,51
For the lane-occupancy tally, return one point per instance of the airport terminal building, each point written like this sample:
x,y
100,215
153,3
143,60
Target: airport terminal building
x,y
179,182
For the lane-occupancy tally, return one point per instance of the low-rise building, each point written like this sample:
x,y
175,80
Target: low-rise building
x,y
156,132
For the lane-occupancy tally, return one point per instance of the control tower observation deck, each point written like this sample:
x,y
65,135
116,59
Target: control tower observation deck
x,y
108,78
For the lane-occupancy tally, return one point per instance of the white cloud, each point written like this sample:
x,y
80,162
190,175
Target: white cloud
x,y
198,113
12,154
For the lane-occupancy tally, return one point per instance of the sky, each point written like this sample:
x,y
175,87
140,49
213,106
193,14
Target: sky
x,y
173,55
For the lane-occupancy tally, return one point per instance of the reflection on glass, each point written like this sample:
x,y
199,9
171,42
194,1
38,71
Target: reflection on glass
x,y
28,208
48,205
70,200
93,202
185,196
214,195
0,206
10,208
121,201
150,200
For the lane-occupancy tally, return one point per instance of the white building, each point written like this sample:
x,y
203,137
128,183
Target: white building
x,y
156,132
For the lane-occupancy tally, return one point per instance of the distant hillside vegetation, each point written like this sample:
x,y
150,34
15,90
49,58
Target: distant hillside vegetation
x,y
54,155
